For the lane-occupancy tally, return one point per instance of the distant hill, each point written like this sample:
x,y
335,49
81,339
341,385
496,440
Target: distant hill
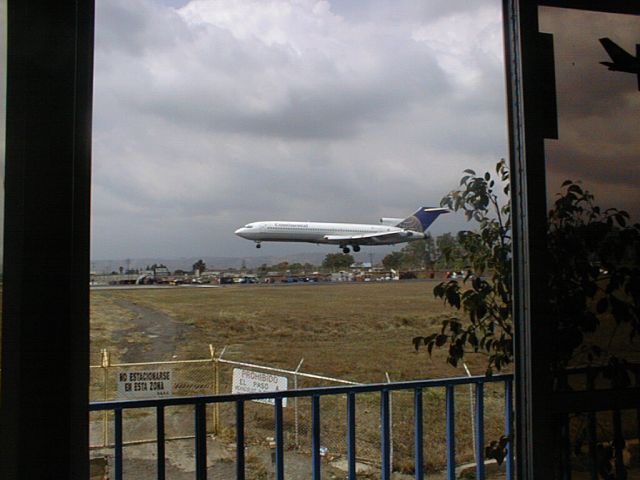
x,y
185,263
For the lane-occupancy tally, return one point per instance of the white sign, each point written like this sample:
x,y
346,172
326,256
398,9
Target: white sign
x,y
145,384
248,381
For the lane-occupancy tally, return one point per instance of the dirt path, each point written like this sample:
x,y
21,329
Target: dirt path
x,y
140,462
160,334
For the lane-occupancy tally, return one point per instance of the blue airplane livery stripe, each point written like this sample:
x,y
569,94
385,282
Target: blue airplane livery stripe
x,y
422,219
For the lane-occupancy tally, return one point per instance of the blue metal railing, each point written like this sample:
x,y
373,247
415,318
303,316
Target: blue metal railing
x,y
315,394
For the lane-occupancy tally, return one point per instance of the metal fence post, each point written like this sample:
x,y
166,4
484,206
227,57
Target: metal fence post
x,y
390,423
214,367
216,388
105,363
472,412
295,405
450,431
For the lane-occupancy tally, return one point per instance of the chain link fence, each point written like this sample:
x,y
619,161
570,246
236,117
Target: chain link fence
x,y
259,418
208,376
108,381
215,375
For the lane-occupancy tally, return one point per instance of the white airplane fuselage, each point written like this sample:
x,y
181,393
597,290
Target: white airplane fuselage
x,y
344,234
319,232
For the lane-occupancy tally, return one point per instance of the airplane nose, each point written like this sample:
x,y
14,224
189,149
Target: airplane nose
x,y
239,231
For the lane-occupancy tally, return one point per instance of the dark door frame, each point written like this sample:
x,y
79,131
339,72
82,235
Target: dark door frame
x,y
45,324
537,406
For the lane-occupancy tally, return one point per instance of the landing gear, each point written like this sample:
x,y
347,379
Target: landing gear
x,y
258,245
356,248
345,250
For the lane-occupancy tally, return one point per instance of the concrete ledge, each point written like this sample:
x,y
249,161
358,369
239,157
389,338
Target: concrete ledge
x,y
468,470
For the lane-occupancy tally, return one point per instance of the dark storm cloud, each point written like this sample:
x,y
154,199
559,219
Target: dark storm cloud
x,y
320,111
243,85
136,27
403,11
612,168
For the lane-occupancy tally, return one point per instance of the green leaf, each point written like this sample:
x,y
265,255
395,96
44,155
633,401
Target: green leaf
x,y
485,302
602,305
441,340
590,322
590,289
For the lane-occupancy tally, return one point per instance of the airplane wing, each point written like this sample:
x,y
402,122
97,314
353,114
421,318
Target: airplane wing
x,y
371,238
616,52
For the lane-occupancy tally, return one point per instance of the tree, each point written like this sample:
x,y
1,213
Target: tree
x,y
593,278
592,275
414,254
281,267
450,252
421,254
296,267
199,266
336,261
430,252
393,261
487,301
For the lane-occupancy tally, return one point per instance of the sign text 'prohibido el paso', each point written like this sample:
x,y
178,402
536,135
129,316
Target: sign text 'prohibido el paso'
x,y
248,381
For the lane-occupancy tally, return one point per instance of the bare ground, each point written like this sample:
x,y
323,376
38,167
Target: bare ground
x,y
358,332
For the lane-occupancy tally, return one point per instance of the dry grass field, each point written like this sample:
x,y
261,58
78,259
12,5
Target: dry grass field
x,y
354,331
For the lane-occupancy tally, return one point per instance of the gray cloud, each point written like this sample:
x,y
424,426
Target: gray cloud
x,y
224,112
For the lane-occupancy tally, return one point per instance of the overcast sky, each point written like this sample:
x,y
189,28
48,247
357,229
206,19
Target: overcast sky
x,y
212,114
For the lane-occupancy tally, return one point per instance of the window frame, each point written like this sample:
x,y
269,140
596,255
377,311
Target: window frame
x,y
539,411
47,215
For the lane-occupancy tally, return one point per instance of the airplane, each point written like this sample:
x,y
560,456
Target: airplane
x,y
623,61
389,232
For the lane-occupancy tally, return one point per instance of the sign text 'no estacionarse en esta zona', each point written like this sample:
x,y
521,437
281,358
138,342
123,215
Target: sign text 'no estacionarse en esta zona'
x,y
145,384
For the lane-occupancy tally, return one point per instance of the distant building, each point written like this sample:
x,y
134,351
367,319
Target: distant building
x,y
341,276
157,271
362,265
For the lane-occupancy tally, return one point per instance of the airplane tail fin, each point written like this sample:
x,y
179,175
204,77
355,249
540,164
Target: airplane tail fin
x,y
422,219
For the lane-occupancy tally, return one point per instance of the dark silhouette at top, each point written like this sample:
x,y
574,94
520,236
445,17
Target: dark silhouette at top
x,y
623,61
